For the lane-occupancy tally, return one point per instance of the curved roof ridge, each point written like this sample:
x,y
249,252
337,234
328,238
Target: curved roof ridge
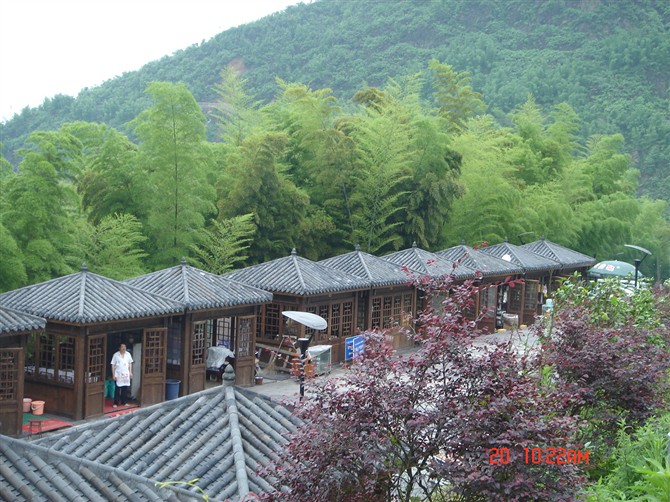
x,y
361,257
296,265
236,436
184,279
82,293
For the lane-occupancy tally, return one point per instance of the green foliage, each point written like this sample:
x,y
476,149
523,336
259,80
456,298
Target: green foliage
x,y
608,303
256,183
454,95
173,155
12,268
116,247
225,244
639,465
41,212
608,61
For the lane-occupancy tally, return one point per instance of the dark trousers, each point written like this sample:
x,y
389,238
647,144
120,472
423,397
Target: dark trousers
x,y
121,394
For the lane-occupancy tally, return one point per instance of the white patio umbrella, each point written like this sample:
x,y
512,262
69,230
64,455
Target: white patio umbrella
x,y
311,321
307,319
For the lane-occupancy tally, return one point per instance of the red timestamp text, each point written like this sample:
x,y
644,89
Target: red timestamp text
x,y
547,456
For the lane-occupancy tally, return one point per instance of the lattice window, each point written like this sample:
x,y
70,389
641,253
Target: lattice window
x,y
96,360
174,338
272,321
154,352
488,299
53,358
406,309
9,375
530,297
46,355
66,353
198,343
324,311
245,332
224,333
376,312
347,318
514,300
387,311
336,319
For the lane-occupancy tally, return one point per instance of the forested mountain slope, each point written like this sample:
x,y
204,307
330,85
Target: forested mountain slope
x,y
608,59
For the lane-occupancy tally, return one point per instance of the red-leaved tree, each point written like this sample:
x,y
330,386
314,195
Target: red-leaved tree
x,y
448,421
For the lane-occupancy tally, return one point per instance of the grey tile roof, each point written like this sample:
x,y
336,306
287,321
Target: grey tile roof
x,y
568,258
299,276
427,263
14,321
85,297
30,472
529,261
223,436
486,264
198,289
376,270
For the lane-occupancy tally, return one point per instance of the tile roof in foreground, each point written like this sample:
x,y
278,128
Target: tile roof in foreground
x,y
568,258
30,472
427,263
378,271
13,321
198,289
475,259
222,436
85,297
298,276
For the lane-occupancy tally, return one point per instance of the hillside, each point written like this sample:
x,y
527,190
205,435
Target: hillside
x,y
607,59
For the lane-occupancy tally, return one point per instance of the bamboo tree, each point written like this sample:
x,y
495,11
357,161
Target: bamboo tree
x,y
175,158
383,140
257,184
225,244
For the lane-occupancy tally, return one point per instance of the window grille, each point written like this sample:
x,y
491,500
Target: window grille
x,y
154,352
9,375
96,360
198,343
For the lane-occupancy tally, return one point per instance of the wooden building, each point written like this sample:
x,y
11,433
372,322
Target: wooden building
x,y
493,272
87,316
570,261
15,327
390,300
301,284
218,312
537,271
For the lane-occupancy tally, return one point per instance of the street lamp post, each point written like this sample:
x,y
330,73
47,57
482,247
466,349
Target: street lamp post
x,y
638,261
312,321
304,342
637,269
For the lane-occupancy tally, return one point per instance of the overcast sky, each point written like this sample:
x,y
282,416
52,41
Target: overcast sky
x,y
50,47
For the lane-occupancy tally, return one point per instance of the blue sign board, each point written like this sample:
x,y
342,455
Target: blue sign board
x,y
353,346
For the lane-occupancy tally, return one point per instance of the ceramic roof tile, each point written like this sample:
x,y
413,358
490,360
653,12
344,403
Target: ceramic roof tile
x,y
475,259
32,472
85,297
378,271
568,258
427,263
299,276
198,289
220,435
526,259
13,321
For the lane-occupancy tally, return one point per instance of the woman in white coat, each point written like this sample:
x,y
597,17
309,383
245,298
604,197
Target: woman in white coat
x,y
122,370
